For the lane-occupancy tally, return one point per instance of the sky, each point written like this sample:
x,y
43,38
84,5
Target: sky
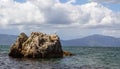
x,y
70,19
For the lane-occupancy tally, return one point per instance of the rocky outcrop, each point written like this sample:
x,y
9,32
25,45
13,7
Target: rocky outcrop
x,y
37,45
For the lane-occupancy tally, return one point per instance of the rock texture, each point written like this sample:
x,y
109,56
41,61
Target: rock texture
x,y
37,45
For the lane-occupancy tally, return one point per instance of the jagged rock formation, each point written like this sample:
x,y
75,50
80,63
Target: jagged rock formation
x,y
38,45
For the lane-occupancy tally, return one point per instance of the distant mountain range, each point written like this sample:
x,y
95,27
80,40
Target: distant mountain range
x,y
92,40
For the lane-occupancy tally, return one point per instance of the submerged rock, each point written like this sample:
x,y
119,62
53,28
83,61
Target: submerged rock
x,y
37,45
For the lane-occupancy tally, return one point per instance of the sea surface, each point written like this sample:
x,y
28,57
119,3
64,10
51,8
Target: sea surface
x,y
84,58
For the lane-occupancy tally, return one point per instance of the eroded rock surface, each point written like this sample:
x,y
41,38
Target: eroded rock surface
x,y
37,45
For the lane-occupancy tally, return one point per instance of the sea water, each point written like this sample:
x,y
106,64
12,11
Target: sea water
x,y
84,58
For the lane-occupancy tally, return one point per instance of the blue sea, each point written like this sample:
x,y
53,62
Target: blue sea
x,y
84,58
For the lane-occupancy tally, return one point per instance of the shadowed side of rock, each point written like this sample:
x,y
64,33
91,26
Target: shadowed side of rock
x,y
37,45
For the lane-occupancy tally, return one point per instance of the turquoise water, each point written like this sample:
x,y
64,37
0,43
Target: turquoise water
x,y
84,58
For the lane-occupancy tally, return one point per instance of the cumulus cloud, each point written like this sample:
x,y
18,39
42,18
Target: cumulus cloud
x,y
54,15
19,13
107,1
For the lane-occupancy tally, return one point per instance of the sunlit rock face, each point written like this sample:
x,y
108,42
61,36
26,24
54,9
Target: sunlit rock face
x,y
37,45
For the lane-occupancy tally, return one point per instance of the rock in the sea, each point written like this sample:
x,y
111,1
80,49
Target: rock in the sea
x,y
37,45
66,53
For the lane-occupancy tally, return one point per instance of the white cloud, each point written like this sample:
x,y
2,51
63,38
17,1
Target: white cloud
x,y
19,13
71,1
54,15
107,1
95,15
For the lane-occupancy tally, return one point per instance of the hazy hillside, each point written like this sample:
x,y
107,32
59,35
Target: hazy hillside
x,y
7,39
93,40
